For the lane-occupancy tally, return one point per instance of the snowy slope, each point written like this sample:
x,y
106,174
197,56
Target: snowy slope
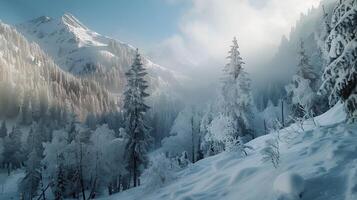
x,y
81,51
325,157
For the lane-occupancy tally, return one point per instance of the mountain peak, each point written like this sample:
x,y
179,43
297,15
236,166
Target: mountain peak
x,y
41,20
70,20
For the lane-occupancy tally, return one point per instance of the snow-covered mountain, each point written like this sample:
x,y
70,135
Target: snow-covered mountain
x,y
83,52
32,85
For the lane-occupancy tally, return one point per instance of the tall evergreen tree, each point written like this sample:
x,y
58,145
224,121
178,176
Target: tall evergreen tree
x,y
30,183
340,74
305,70
301,92
13,155
134,112
3,130
59,186
236,93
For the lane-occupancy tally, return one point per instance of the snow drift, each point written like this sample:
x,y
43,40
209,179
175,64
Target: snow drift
x,y
322,157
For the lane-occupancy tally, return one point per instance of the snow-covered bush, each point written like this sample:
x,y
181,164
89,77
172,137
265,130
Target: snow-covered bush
x,y
221,134
184,134
301,93
160,171
271,152
289,186
221,129
183,160
270,115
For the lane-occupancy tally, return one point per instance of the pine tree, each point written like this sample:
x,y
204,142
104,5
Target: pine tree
x,y
26,111
236,93
305,70
134,112
30,183
3,130
37,133
340,74
326,28
301,92
60,180
13,155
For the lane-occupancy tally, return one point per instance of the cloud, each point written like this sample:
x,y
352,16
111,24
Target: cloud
x,y
208,26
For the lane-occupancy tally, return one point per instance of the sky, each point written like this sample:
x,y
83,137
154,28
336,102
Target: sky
x,y
141,23
180,34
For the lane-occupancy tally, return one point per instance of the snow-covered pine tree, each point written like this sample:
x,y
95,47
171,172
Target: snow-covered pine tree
x,y
59,186
30,183
34,141
134,112
3,130
305,70
301,92
340,74
13,155
326,28
236,92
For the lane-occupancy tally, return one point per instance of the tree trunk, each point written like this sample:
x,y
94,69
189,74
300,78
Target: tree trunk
x,y
81,173
265,128
282,113
119,183
110,189
134,168
193,141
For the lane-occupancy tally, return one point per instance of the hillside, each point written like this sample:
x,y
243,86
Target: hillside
x,y
32,85
85,53
324,155
307,29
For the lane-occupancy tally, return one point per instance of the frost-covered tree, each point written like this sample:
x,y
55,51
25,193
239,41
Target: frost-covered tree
x,y
59,185
107,166
271,152
160,172
30,183
340,74
205,144
221,134
13,149
3,130
58,162
184,134
237,102
304,68
116,164
134,112
301,92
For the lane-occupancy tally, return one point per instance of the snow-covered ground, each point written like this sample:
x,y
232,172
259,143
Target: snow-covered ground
x,y
317,162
